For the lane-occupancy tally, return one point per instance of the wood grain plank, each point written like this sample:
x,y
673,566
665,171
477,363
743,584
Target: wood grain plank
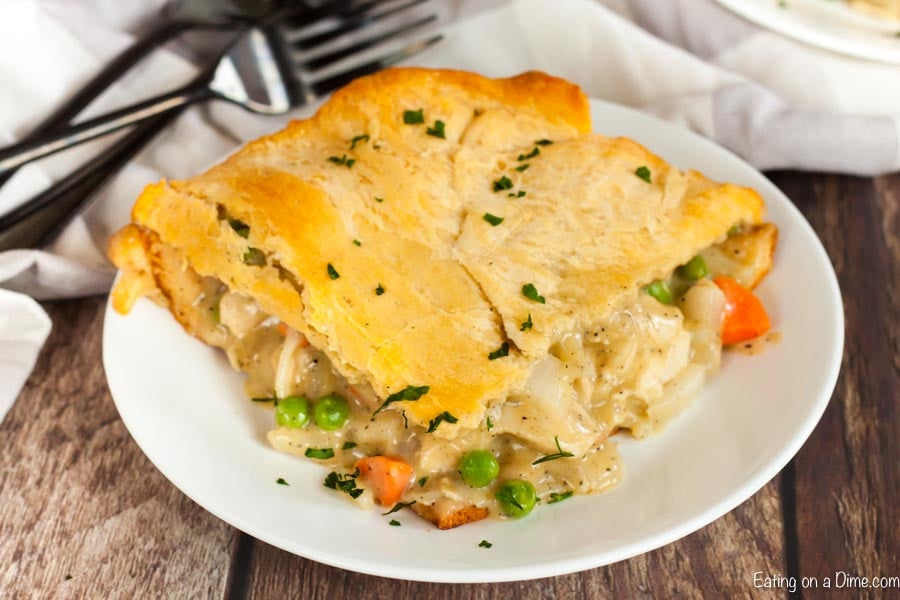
x,y
717,561
83,514
848,473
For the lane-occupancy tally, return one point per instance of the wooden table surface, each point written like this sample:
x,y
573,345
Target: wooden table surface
x,y
84,514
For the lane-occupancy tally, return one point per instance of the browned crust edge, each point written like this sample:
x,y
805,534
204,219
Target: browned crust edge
x,y
462,516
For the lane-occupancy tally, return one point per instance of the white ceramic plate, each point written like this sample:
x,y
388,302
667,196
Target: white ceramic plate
x,y
186,410
829,24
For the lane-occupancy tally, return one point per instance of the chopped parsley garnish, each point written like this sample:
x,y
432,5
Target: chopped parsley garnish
x,y
531,154
240,228
527,324
530,292
413,117
379,200
281,481
410,393
357,243
348,446
484,544
398,506
444,417
492,219
500,352
68,577
320,453
332,272
423,481
560,454
394,523
643,173
357,139
254,257
506,495
516,195
555,497
344,483
504,183
521,168
543,142
437,131
379,290
343,160
489,423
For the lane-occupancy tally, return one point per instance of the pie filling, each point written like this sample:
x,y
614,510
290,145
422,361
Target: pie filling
x,y
631,373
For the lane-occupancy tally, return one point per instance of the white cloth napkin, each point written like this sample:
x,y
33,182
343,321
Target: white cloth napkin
x,y
776,102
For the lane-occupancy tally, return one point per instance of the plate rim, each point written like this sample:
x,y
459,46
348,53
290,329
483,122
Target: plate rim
x,y
812,37
560,566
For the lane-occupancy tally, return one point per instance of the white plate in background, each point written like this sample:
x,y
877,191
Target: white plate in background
x,y
185,408
829,24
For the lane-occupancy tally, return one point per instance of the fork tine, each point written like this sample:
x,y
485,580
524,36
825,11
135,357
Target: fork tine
x,y
333,57
342,9
329,84
354,24
300,18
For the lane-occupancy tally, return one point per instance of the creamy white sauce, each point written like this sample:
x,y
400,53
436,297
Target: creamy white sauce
x,y
634,372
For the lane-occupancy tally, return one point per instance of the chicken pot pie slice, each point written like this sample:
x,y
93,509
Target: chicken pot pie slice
x,y
450,290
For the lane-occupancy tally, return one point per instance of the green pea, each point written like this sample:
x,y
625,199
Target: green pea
x,y
660,290
215,313
516,497
694,269
331,412
293,412
478,468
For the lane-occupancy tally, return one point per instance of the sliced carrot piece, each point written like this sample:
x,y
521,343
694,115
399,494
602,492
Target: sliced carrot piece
x,y
387,477
745,316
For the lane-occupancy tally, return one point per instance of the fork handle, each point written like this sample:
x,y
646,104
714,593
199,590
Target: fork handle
x,y
120,65
36,222
13,157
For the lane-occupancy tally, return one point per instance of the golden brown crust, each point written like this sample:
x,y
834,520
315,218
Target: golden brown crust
x,y
766,240
461,516
747,256
150,267
556,100
129,251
